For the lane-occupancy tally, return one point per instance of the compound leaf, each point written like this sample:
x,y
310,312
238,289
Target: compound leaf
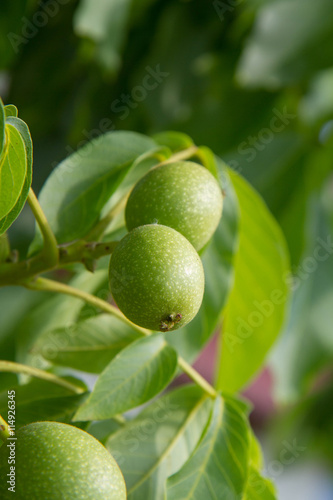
x,y
218,467
158,442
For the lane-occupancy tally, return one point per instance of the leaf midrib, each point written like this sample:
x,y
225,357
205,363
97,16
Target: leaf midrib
x,y
173,442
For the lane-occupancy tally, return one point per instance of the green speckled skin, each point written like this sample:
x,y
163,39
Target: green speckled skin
x,y
156,273
56,461
182,195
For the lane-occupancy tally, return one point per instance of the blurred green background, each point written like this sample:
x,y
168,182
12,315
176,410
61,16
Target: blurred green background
x,y
253,80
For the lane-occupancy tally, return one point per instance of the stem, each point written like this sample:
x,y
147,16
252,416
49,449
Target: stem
x,y
196,377
4,429
101,226
12,367
182,155
50,249
47,285
79,251
120,419
54,286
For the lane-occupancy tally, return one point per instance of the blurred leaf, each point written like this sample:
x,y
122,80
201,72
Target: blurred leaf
x,y
258,487
13,170
274,169
2,127
176,141
290,41
13,23
77,190
158,442
40,400
54,312
104,21
88,345
12,299
140,167
208,160
255,452
11,110
258,302
309,328
218,264
103,429
4,247
317,104
309,423
23,129
220,461
134,376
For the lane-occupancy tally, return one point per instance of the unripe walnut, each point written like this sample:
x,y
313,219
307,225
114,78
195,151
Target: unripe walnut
x,y
156,278
56,461
183,195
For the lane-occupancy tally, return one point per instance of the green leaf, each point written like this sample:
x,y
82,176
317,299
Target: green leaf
x,y
218,467
41,400
105,23
309,329
176,141
258,302
54,312
258,487
88,345
285,46
2,127
23,129
102,429
317,104
11,110
4,247
77,190
217,260
13,170
158,442
135,375
140,167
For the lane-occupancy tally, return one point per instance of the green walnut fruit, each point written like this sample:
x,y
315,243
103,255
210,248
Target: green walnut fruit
x,y
182,195
157,278
56,461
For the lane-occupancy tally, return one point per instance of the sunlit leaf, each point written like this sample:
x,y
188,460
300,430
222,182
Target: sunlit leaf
x,y
218,467
158,442
257,305
77,190
134,376
104,23
23,129
88,345
13,169
290,41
